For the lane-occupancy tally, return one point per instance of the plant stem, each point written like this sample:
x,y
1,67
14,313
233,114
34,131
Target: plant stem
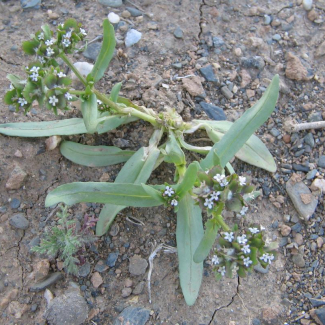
x,y
73,68
221,222
76,92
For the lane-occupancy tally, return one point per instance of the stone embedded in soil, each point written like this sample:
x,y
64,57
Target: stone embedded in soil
x,y
133,315
111,259
111,3
320,313
320,50
52,142
134,12
208,74
298,260
26,4
132,37
193,86
68,308
96,280
51,279
138,265
92,51
16,178
10,295
245,78
226,92
40,270
178,33
17,309
14,203
84,270
256,62
295,70
270,314
285,230
19,221
317,302
321,161
126,292
214,112
139,288
295,190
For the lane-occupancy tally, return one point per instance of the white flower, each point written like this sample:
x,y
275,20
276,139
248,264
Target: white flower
x,y
247,261
215,260
206,189
68,96
214,195
49,42
34,76
254,230
61,74
53,100
83,32
41,59
34,69
22,101
174,202
169,191
267,258
208,203
99,102
41,36
246,249
229,236
66,42
219,178
242,239
49,51
222,270
243,210
242,180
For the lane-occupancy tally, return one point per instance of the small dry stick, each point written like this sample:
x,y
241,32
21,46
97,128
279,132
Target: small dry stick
x,y
167,249
290,127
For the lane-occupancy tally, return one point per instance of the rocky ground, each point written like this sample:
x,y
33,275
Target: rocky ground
x,y
205,58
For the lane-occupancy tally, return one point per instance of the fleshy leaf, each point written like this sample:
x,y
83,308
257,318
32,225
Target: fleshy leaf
x,y
174,153
188,179
115,91
90,113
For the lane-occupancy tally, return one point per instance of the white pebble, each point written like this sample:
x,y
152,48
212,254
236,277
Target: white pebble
x,y
132,37
307,4
113,18
83,67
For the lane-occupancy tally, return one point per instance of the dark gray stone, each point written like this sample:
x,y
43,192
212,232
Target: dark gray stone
x,y
111,259
51,279
309,139
256,321
226,92
297,227
315,117
208,74
111,3
138,265
3,209
26,4
300,168
298,260
316,302
84,270
275,132
214,112
133,315
311,174
15,203
134,12
92,51
321,161
320,313
218,42
69,308
256,62
19,221
178,33
101,267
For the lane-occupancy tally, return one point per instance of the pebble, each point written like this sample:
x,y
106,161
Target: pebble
x,y
300,168
96,280
193,86
25,4
16,178
214,112
69,308
111,3
267,20
218,42
320,313
113,18
285,230
297,227
296,192
101,267
307,4
19,221
299,239
317,302
152,25
15,203
53,278
321,161
139,288
133,315
134,12
111,259
256,62
126,292
309,139
137,265
276,37
295,70
245,78
298,260
92,51
84,270
132,37
226,92
208,74
178,33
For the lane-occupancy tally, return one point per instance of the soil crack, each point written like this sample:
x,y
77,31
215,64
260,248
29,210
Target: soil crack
x,y
201,21
226,306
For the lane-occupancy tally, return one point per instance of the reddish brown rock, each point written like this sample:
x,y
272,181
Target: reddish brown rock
x,y
295,70
193,86
16,178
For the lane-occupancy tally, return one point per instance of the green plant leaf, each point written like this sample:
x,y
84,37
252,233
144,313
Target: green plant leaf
x,y
153,193
16,81
189,179
112,122
244,127
90,113
174,153
9,96
47,31
136,170
100,192
29,46
106,52
203,250
94,156
189,234
115,91
44,129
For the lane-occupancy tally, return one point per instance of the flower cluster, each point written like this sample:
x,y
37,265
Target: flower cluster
x,y
217,189
170,196
238,253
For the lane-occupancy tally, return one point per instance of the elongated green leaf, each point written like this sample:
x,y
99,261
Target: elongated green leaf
x,y
16,81
94,156
153,193
90,113
203,250
44,129
100,192
189,179
47,31
174,152
112,122
106,52
244,127
115,91
136,170
189,234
